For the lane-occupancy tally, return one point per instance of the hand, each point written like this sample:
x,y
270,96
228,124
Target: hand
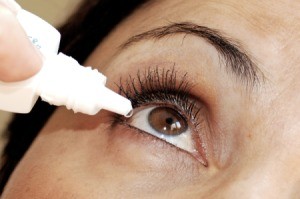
x,y
19,59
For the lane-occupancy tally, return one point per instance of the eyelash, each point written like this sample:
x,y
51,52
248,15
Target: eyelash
x,y
161,87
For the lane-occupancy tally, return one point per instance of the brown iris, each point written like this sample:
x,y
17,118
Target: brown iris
x,y
167,121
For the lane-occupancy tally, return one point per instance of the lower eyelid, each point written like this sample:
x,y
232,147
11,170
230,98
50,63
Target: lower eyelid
x,y
143,152
143,133
151,139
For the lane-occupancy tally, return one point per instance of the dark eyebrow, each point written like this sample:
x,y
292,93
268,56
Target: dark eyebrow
x,y
235,58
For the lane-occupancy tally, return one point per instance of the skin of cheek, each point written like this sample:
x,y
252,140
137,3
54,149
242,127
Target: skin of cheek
x,y
76,159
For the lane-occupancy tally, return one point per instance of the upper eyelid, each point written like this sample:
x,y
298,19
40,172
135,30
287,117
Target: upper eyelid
x,y
162,85
237,59
155,79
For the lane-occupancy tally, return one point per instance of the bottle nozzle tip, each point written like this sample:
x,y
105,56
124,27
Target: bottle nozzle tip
x,y
129,114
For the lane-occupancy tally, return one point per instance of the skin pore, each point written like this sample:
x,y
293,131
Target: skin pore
x,y
247,134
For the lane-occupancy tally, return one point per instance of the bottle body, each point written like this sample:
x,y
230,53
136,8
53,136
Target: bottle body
x,y
41,34
62,81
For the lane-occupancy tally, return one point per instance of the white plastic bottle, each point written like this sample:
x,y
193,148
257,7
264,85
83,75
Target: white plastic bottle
x,y
61,81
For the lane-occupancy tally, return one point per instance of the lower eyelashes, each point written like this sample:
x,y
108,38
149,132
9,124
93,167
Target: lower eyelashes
x,y
164,108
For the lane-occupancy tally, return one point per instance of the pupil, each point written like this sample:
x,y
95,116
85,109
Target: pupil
x,y
167,121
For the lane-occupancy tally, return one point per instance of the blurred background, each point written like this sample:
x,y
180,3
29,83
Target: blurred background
x,y
53,11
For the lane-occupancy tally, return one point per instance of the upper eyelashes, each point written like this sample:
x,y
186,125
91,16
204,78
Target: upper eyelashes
x,y
160,85
181,118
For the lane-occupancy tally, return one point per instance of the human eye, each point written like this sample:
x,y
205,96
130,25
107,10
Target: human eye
x,y
164,108
165,123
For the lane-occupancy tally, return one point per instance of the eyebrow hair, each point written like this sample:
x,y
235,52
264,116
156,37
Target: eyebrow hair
x,y
236,59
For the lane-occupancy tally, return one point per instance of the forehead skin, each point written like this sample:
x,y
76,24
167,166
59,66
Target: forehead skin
x,y
268,164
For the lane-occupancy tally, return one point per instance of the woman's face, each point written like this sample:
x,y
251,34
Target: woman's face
x,y
215,86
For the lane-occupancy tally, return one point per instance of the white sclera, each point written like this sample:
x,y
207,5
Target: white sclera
x,y
183,141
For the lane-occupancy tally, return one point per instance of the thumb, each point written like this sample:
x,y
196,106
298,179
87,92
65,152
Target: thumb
x,y
12,5
19,59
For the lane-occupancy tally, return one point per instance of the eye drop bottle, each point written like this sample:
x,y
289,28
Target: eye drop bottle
x,y
62,81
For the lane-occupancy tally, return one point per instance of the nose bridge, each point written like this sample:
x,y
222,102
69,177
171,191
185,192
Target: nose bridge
x,y
258,183
263,179
268,167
